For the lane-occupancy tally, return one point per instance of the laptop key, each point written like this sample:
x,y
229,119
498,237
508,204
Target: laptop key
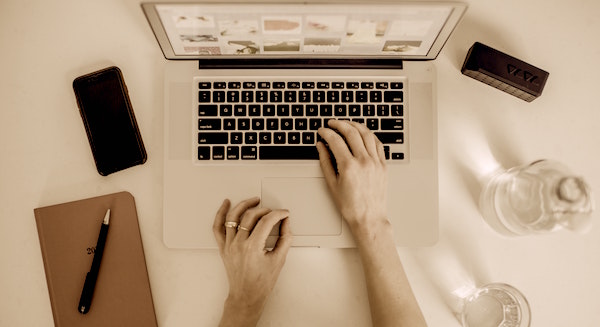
x,y
219,96
276,152
276,96
209,110
212,138
397,110
381,85
209,124
333,96
304,96
340,110
352,85
397,156
390,137
392,124
362,96
283,110
308,138
297,110
233,96
233,152
204,96
264,138
262,96
319,96
237,138
249,153
293,85
375,96
254,110
373,124
312,110
290,96
243,124
279,138
203,153
308,85
393,96
314,124
386,150
347,96
294,138
322,85
383,110
218,153
229,124
226,110
250,137
247,96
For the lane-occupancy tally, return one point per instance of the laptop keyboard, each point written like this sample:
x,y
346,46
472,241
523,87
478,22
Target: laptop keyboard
x,y
241,120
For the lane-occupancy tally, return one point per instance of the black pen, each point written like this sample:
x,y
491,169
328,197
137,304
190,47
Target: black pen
x,y
90,279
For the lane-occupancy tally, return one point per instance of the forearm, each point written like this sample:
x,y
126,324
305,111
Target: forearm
x,y
391,299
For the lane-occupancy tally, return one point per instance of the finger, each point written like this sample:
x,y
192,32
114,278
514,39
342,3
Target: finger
x,y
326,165
284,242
218,227
265,225
336,144
381,152
235,215
369,139
353,137
248,222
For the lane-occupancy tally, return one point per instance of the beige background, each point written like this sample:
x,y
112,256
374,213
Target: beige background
x,y
45,159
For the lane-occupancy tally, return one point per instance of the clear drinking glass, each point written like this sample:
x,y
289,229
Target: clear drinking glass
x,y
495,305
540,197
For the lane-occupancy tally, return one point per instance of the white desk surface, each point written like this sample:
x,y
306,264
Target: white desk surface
x,y
45,159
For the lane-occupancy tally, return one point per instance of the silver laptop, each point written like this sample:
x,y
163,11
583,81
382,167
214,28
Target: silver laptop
x,y
248,84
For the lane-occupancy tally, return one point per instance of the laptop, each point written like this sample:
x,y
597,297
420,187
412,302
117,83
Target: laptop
x,y
248,84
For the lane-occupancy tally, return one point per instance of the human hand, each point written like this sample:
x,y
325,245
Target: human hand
x,y
359,186
251,269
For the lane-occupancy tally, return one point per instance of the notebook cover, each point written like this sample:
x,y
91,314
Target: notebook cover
x,y
68,232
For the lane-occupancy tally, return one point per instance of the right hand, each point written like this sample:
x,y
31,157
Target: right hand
x,y
359,186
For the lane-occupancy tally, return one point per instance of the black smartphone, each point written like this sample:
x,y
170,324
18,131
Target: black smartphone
x,y
109,121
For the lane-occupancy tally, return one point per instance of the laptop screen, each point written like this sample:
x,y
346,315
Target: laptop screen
x,y
302,30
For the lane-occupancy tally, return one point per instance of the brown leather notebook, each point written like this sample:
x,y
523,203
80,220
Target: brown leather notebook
x,y
68,234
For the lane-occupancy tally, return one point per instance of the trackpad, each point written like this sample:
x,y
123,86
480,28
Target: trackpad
x,y
312,211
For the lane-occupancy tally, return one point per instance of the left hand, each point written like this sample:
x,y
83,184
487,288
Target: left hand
x,y
252,270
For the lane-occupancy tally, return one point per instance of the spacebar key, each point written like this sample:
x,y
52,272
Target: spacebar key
x,y
288,152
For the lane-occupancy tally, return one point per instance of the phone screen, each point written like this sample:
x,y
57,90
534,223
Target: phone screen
x,y
109,120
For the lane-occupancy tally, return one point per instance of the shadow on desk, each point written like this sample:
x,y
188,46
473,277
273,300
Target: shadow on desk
x,y
453,268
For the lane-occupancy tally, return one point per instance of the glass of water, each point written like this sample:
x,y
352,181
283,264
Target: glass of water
x,y
495,305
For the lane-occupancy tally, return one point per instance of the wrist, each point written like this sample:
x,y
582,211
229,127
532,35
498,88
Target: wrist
x,y
374,235
369,229
240,313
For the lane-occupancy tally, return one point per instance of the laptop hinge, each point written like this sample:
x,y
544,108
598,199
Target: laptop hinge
x,y
297,63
